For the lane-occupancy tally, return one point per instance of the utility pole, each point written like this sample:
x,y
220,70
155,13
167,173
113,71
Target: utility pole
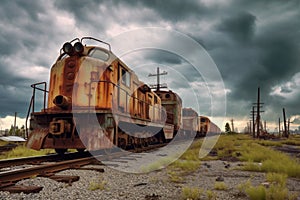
x,y
232,125
284,124
279,127
253,123
15,122
288,128
158,85
258,111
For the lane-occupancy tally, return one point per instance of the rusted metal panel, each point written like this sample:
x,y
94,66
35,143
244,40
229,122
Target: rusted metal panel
x,y
63,143
95,138
96,131
169,131
36,138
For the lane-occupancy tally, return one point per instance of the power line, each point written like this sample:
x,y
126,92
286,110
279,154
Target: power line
x,y
158,85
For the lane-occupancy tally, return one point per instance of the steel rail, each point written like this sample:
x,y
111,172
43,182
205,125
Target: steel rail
x,y
9,178
39,159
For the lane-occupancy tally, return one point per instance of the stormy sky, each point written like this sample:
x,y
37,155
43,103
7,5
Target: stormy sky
x,y
251,44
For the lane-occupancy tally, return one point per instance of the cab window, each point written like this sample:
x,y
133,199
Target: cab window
x,y
125,77
99,54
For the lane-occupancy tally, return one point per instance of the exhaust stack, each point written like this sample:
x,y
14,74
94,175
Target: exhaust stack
x,y
62,101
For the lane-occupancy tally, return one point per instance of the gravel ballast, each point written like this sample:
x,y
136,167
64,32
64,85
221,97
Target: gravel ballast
x,y
114,184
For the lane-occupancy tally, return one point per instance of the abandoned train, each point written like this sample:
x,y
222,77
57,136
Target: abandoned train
x,y
95,101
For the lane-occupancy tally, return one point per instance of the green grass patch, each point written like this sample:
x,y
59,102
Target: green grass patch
x,y
191,193
269,160
186,165
276,190
211,195
23,151
291,142
220,186
174,177
256,193
270,143
3,143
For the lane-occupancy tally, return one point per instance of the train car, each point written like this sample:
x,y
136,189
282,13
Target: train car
x,y
213,129
173,107
203,126
207,127
189,121
91,81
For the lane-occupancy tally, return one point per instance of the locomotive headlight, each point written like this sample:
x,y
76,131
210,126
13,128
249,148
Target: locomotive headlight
x,y
68,48
78,47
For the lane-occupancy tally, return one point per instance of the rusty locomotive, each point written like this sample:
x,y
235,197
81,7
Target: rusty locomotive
x,y
95,101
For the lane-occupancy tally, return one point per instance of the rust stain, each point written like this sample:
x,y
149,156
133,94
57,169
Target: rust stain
x,y
36,138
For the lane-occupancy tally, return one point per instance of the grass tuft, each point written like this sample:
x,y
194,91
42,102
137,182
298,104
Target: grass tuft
x,y
97,184
191,193
268,159
276,190
211,195
220,186
256,193
23,151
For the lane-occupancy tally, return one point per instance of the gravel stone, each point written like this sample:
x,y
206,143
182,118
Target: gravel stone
x,y
154,185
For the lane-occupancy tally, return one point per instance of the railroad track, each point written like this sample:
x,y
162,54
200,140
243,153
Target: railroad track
x,y
39,159
8,179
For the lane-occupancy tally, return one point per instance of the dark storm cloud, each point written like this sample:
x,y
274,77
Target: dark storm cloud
x,y
163,57
24,37
176,10
256,48
240,27
86,12
253,43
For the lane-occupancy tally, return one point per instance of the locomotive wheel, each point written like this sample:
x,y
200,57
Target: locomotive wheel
x,y
61,151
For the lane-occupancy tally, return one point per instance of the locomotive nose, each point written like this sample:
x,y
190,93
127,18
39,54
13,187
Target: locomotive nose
x,y
62,101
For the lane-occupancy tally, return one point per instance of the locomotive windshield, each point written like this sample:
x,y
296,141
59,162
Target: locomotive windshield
x,y
99,54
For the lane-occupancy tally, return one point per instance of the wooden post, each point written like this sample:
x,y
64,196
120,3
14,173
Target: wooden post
x,y
253,122
284,123
258,112
279,127
288,129
15,123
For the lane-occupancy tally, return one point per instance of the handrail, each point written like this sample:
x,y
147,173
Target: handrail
x,y
91,38
32,101
28,113
36,88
